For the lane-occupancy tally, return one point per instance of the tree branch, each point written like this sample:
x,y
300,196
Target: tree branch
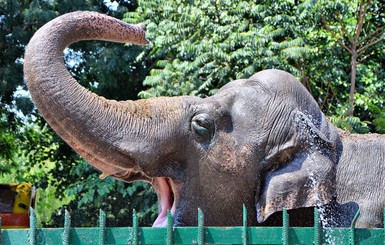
x,y
361,60
360,20
334,36
367,27
370,44
343,28
375,33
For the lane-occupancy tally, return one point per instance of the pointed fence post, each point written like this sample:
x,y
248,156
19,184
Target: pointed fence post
x,y
102,226
352,228
170,224
285,227
201,229
317,228
32,227
135,229
244,230
66,228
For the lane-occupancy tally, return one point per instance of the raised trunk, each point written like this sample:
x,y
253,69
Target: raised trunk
x,y
94,126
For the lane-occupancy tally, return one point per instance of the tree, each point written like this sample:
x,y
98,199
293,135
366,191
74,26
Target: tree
x,y
16,27
200,45
356,26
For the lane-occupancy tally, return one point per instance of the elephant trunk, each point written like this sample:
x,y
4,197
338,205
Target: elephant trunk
x,y
94,126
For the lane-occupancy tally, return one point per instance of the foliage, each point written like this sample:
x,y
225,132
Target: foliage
x,y
353,31
16,28
358,26
116,198
200,45
7,142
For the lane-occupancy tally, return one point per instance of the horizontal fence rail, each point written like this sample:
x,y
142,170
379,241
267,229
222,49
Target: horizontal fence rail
x,y
200,234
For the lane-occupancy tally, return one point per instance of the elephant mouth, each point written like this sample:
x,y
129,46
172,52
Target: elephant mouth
x,y
168,196
166,189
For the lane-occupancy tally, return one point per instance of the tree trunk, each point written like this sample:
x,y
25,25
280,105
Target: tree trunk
x,y
352,82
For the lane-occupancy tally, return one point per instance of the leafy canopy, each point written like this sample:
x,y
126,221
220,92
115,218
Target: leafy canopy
x,y
198,46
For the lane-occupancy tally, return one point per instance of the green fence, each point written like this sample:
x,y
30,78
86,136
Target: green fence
x,y
190,235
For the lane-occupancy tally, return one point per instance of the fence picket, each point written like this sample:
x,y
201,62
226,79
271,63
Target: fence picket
x,y
135,229
317,228
66,230
201,231
352,228
285,227
170,224
191,235
244,233
102,227
32,227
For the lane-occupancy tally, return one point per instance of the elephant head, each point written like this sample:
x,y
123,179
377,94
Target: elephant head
x,y
262,141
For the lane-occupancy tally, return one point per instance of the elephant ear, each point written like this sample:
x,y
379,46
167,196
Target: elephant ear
x,y
302,170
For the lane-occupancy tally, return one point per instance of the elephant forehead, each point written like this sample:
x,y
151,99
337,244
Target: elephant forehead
x,y
242,101
242,89
208,105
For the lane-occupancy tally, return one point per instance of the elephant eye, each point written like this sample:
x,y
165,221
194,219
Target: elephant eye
x,y
202,126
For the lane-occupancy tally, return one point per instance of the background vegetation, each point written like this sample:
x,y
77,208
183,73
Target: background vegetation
x,y
335,48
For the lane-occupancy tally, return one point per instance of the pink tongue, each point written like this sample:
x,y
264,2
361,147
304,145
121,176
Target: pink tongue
x,y
164,203
161,221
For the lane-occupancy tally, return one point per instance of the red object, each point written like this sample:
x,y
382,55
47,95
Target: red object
x,y
10,220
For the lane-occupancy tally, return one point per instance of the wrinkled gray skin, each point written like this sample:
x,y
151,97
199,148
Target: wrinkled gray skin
x,y
262,141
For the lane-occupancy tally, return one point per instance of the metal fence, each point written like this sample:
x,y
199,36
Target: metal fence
x,y
190,235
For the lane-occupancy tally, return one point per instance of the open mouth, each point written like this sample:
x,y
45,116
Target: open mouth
x,y
168,195
166,189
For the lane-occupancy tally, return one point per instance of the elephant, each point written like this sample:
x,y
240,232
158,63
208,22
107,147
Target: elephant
x,y
262,142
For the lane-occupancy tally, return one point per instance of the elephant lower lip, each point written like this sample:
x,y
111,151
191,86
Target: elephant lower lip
x,y
168,193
